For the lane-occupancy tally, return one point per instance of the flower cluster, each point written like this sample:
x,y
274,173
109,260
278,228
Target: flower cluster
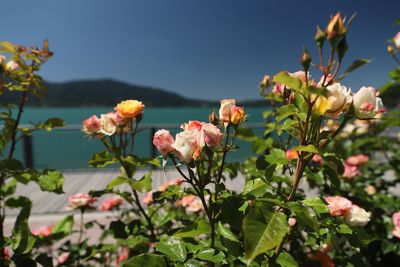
x,y
353,214
196,135
114,122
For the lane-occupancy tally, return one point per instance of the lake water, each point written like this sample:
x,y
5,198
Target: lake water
x,y
69,149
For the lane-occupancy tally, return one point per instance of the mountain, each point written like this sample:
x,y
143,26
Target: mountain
x,y
103,93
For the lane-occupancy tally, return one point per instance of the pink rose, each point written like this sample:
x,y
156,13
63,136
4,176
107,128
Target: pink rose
x,y
123,254
357,160
191,203
44,231
163,140
210,135
291,154
396,40
81,200
164,186
350,171
225,109
292,222
111,203
238,115
367,104
11,65
328,79
6,254
396,219
338,205
278,89
317,158
148,198
192,125
92,125
62,258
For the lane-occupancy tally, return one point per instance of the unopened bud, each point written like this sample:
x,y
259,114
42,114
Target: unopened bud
x,y
335,27
342,48
305,60
390,49
213,119
320,37
265,82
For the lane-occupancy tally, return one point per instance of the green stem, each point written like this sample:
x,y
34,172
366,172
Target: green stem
x,y
80,235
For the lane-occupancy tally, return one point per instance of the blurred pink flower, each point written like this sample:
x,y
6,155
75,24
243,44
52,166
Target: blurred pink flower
x,y
357,160
291,154
350,171
111,203
164,186
91,125
81,200
317,158
62,258
292,222
396,40
338,205
148,198
123,254
43,231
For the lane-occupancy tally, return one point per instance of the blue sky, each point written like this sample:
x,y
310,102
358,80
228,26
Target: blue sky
x,y
206,49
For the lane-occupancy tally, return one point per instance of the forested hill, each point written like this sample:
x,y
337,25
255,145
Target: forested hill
x,y
104,93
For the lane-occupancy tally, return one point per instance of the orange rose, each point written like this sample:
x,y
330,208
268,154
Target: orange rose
x,y
129,109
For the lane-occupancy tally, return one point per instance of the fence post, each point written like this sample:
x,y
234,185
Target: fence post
x,y
28,150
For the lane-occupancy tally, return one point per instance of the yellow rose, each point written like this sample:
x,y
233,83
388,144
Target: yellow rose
x,y
322,104
237,115
129,109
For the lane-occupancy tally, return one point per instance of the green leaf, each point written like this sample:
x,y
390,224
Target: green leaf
x,y
192,263
118,229
263,230
317,204
387,246
285,78
308,148
286,260
23,240
143,185
269,172
7,47
256,187
345,229
102,159
226,232
145,260
10,165
49,124
276,156
286,111
208,254
117,182
51,181
173,247
304,217
355,65
64,227
194,230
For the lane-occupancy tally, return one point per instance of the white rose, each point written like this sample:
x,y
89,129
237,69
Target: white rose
x,y
107,124
357,216
11,65
367,104
185,145
339,98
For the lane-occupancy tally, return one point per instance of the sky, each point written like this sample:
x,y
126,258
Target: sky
x,y
208,49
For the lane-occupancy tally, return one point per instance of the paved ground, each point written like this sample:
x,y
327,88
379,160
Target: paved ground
x,y
49,208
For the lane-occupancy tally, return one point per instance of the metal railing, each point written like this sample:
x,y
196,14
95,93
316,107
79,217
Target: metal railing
x,y
27,140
